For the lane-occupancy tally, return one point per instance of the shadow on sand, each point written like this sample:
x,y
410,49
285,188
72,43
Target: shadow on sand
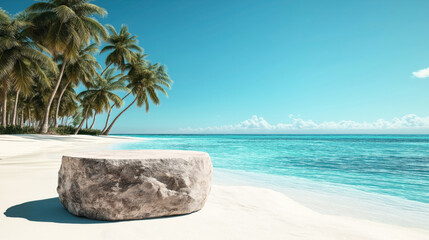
x,y
46,210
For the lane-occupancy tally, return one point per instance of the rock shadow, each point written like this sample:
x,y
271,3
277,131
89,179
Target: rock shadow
x,y
47,210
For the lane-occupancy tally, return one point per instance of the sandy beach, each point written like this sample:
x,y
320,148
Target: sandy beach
x,y
31,210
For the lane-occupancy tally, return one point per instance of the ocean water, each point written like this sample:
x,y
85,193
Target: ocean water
x,y
380,177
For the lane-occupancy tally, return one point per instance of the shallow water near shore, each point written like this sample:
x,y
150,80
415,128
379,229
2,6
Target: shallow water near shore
x,y
377,177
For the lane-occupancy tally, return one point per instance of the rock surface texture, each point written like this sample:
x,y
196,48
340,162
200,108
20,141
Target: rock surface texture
x,y
137,184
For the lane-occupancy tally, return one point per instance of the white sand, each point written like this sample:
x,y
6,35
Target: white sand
x,y
29,208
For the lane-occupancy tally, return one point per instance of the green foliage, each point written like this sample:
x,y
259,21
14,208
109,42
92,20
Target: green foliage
x,y
121,47
61,130
99,96
63,26
20,59
146,80
87,131
17,130
69,130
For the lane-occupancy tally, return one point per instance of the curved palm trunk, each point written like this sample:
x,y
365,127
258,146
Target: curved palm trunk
x,y
45,123
75,115
114,120
108,117
110,111
59,102
4,118
81,123
93,121
101,74
15,106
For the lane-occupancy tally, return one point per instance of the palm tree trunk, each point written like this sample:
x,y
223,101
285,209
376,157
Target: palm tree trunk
x,y
4,118
92,125
29,117
110,111
75,115
15,107
59,102
22,118
108,117
81,123
114,120
101,74
86,124
45,124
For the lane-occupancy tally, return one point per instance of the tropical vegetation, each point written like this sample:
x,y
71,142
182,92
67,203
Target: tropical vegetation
x,y
50,50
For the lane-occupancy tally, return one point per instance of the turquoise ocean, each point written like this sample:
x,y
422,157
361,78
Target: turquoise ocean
x,y
376,177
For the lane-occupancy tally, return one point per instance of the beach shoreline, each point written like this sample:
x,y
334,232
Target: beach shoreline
x,y
334,199
28,178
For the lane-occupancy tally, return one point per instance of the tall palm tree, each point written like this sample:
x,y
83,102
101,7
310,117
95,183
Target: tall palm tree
x,y
136,62
98,98
122,46
20,59
63,26
124,50
83,70
145,81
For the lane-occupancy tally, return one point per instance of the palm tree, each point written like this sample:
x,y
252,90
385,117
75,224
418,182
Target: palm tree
x,y
83,70
63,26
122,45
48,50
99,97
136,62
20,60
145,82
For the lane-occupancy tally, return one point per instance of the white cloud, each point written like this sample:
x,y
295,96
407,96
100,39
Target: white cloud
x,y
423,73
254,123
259,124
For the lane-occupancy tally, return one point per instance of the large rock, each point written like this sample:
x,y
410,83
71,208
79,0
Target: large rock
x,y
120,185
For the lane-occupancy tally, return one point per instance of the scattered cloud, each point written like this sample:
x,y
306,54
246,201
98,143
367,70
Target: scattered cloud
x,y
423,73
297,124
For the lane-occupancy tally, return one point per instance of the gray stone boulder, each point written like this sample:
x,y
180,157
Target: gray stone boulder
x,y
137,184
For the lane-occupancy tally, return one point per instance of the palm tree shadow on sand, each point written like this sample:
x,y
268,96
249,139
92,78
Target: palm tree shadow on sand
x,y
46,210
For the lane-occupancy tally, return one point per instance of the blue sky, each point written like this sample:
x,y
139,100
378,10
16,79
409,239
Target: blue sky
x,y
281,61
